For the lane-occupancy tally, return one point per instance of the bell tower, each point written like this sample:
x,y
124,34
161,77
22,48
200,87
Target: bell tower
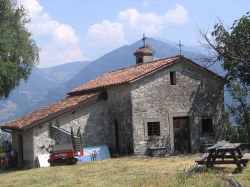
x,y
145,53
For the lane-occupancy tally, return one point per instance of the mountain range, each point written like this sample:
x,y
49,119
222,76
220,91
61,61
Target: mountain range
x,y
29,95
47,85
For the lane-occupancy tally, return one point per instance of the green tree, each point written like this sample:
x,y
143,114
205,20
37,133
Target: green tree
x,y
231,133
18,51
232,47
240,110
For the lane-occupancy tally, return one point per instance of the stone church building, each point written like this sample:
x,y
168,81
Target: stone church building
x,y
171,105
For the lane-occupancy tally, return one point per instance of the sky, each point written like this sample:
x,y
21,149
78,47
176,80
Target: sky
x,y
79,30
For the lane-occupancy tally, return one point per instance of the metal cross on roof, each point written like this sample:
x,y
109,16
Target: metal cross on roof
x,y
144,38
180,45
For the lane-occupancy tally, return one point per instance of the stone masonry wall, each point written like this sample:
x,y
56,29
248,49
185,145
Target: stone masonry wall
x,y
40,139
93,123
91,120
96,122
119,109
197,94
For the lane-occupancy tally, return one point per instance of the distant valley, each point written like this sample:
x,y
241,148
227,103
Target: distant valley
x,y
29,95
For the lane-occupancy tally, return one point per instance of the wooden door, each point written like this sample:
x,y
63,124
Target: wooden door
x,y
181,135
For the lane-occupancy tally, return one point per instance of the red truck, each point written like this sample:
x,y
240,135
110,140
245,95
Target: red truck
x,y
61,154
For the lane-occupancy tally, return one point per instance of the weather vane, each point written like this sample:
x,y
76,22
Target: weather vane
x,y
180,45
144,38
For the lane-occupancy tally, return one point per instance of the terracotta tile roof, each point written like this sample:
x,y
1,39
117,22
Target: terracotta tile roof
x,y
123,75
46,111
86,90
144,49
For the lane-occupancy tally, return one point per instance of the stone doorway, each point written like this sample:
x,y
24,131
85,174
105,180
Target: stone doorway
x,y
20,150
181,135
117,139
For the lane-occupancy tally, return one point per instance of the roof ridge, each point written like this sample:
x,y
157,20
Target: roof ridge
x,y
140,64
122,75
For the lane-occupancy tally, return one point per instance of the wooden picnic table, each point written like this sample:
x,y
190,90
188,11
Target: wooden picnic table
x,y
225,153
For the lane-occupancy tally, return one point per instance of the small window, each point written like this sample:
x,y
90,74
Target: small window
x,y
207,125
173,78
154,128
139,60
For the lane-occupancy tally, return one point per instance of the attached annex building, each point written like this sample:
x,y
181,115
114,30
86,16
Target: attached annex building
x,y
173,105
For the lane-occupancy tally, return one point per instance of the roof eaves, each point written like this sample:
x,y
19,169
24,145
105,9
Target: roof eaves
x,y
85,102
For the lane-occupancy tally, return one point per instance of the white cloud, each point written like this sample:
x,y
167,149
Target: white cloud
x,y
178,15
152,23
58,42
106,35
33,7
56,52
65,33
44,25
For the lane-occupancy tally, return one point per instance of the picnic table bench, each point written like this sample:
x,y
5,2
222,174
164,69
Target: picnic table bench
x,y
224,153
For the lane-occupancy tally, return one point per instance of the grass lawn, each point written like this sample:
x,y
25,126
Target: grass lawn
x,y
127,171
